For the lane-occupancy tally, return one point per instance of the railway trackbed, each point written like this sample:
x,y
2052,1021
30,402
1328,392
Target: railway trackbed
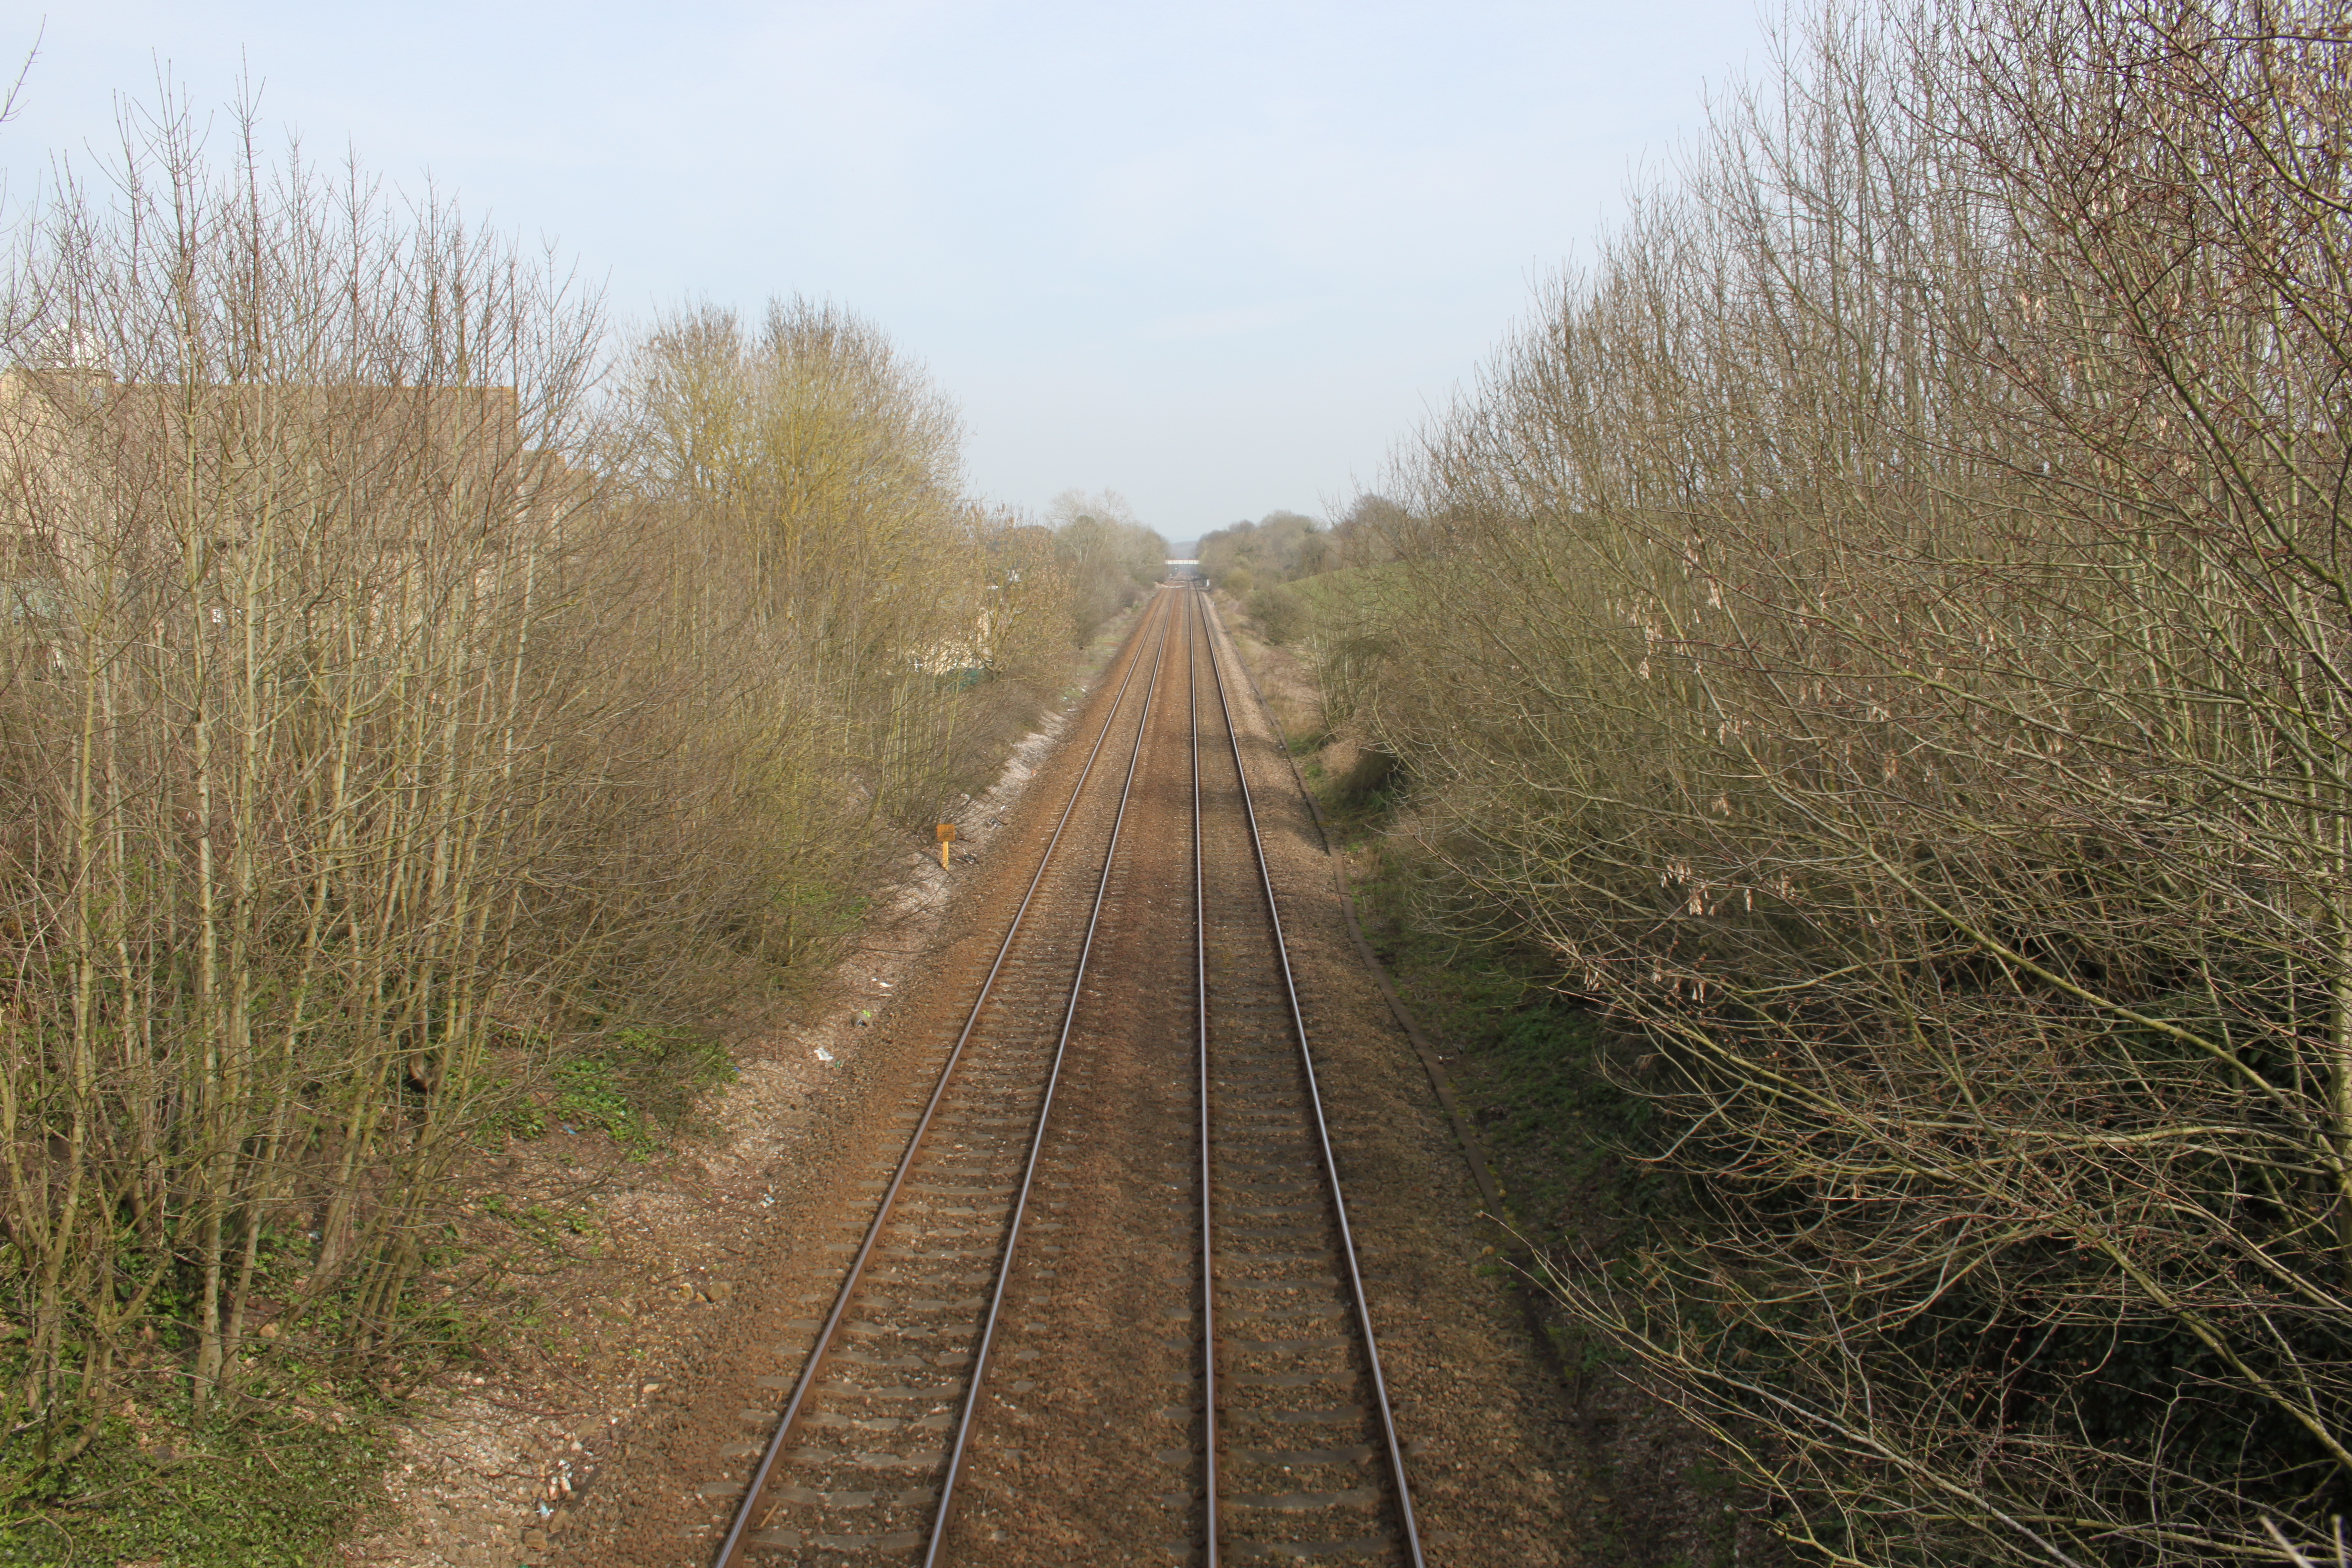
x,y
1107,1306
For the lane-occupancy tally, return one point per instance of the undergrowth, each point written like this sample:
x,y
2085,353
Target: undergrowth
x,y
260,1491
636,1086
291,1469
1566,1140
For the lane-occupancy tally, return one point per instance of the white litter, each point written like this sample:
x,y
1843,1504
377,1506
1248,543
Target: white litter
x,y
822,1055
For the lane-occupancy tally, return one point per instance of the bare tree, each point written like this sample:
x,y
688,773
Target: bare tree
x,y
387,711
1881,632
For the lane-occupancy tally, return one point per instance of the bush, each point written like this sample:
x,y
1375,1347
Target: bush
x,y
1280,613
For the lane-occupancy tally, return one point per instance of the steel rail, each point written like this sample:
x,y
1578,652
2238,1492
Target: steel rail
x,y
1045,1111
737,1533
1208,1170
1322,1131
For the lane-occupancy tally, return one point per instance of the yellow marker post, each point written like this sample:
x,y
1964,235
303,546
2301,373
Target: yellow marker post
x,y
946,837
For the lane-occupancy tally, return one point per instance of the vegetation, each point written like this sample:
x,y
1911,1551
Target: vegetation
x,y
1880,632
263,1490
1108,560
1277,547
1286,547
409,727
1872,651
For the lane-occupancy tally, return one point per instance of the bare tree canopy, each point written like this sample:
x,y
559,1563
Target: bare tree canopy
x,y
1882,632
391,709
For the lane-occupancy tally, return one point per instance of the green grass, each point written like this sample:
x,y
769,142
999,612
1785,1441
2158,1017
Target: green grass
x,y
635,1085
1360,798
263,1492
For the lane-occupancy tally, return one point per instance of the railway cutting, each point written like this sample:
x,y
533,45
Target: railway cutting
x,y
1104,1296
1110,1293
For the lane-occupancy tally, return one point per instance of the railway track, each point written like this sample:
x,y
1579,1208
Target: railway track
x,y
1108,1306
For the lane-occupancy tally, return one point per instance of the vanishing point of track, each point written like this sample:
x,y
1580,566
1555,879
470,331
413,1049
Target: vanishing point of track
x,y
1109,1306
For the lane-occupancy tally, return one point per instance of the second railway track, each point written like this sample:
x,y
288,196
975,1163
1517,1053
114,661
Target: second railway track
x,y
1108,1306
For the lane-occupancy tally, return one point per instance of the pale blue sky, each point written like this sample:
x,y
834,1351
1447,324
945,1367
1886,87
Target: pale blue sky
x,y
1219,258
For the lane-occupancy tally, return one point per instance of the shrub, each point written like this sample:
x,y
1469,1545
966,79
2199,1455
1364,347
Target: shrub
x,y
1280,613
